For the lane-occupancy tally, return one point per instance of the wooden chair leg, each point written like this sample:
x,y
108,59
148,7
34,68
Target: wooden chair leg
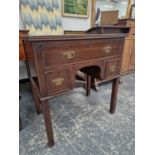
x,y
120,81
36,101
88,84
94,84
48,123
114,95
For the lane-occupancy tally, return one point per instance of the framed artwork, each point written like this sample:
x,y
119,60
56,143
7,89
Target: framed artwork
x,y
75,8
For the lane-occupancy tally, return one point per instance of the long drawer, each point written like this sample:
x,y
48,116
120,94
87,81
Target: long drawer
x,y
54,55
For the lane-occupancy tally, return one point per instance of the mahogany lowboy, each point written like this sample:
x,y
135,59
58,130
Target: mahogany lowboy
x,y
57,59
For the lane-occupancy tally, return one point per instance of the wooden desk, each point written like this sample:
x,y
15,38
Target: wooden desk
x,y
58,58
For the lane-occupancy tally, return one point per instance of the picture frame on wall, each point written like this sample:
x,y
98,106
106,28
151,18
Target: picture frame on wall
x,y
75,8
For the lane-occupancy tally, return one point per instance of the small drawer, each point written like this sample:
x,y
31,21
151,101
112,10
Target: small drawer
x,y
112,68
58,81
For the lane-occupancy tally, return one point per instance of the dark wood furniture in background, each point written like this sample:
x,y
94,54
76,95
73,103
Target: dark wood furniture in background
x,y
22,33
58,58
128,62
108,29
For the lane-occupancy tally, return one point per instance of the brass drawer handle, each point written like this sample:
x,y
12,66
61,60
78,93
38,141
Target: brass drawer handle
x,y
107,49
112,68
69,54
58,81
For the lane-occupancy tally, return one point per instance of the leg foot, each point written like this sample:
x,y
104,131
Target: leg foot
x,y
114,95
94,84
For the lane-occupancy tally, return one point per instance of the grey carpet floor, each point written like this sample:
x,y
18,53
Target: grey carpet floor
x,y
82,125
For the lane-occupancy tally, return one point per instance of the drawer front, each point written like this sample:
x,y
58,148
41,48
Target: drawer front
x,y
112,68
70,53
58,81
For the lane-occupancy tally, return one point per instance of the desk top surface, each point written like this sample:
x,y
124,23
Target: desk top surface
x,y
73,37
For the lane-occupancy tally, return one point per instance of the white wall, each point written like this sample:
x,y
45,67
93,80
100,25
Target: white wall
x,y
73,23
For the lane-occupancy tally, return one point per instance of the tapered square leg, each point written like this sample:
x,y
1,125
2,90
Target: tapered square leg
x,y
88,84
36,101
48,123
115,84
